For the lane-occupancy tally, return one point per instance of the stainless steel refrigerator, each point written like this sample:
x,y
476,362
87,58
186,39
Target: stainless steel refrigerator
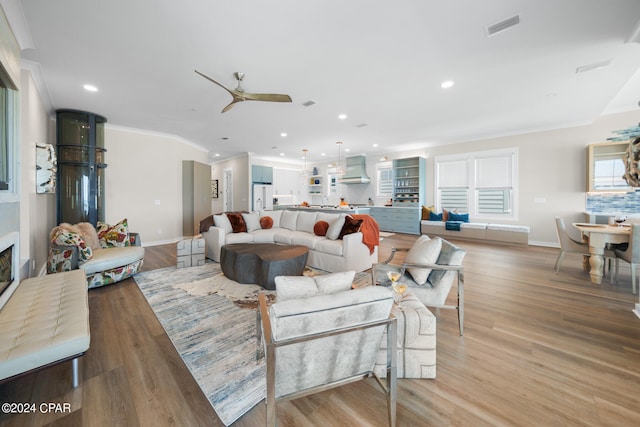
x,y
262,197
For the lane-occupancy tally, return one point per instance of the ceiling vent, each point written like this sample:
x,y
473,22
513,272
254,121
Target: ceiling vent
x,y
309,103
501,26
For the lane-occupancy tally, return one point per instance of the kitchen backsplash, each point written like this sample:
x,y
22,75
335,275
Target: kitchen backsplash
x,y
625,203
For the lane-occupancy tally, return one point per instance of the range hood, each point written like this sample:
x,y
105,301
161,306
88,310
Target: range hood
x,y
356,172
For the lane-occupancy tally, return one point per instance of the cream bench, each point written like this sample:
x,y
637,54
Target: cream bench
x,y
45,322
506,233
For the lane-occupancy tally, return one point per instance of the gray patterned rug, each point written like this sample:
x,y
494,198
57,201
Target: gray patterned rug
x,y
206,316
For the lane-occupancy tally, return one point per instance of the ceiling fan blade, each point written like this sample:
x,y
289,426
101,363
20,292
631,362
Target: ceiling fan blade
x,y
232,92
271,97
230,106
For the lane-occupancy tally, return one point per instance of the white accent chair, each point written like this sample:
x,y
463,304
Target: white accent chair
x,y
319,342
631,254
568,244
445,269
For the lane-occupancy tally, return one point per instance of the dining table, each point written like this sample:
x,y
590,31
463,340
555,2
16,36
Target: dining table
x,y
597,237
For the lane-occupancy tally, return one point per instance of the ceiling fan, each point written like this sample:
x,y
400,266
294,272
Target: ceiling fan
x,y
240,95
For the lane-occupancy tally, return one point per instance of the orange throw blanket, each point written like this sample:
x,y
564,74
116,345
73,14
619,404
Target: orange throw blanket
x,y
370,231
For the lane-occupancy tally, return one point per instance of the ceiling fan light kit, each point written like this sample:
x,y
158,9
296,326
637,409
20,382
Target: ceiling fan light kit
x,y
238,94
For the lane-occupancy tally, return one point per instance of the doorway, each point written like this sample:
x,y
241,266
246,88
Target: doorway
x,y
227,190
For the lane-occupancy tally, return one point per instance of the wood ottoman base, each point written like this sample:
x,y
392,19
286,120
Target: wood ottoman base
x,y
260,263
416,341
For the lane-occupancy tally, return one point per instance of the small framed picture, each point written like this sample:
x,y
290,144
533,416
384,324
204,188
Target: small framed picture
x,y
214,188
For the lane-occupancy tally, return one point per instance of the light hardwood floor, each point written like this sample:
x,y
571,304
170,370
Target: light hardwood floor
x,y
539,349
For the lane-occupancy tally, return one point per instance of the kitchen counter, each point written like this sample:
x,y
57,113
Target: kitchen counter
x,y
353,210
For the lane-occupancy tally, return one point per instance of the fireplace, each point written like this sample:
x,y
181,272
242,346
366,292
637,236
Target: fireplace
x,y
9,266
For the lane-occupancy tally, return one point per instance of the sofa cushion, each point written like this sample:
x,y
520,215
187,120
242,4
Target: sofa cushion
x,y
237,222
306,221
283,236
265,235
239,238
288,220
274,215
252,220
331,247
109,258
113,235
423,251
306,239
222,221
335,226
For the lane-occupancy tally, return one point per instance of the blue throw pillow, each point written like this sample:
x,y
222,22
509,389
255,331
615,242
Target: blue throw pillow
x,y
435,217
458,217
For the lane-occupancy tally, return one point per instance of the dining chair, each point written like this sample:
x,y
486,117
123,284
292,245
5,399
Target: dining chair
x,y
569,244
631,254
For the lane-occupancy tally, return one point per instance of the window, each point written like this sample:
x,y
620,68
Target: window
x,y
482,184
384,179
8,128
608,172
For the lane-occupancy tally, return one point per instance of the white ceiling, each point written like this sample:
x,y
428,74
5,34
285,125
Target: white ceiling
x,y
381,63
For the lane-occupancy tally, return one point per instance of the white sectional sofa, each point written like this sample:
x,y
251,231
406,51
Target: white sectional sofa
x,y
297,228
507,233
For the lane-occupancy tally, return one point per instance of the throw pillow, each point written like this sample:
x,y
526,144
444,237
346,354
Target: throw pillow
x,y
266,222
306,221
65,237
423,251
426,212
290,287
335,227
112,236
320,228
237,222
434,216
334,282
222,221
351,225
445,215
450,254
288,220
453,216
89,234
252,220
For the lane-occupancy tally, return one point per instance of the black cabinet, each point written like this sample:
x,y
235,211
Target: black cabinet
x,y
81,166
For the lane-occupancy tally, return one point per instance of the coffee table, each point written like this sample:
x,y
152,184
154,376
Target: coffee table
x,y
260,263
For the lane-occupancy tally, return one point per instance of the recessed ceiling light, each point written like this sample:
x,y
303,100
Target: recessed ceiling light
x,y
283,134
342,116
217,154
346,150
375,145
446,84
282,154
90,88
322,154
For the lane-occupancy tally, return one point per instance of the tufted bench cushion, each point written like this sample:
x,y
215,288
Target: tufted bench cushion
x,y
45,321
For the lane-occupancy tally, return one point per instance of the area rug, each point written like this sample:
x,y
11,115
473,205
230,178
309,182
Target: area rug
x,y
211,321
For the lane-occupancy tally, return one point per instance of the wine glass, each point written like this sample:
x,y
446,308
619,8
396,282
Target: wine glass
x,y
394,276
398,287
619,219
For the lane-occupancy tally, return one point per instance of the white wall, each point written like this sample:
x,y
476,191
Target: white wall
x,y
38,211
144,181
552,166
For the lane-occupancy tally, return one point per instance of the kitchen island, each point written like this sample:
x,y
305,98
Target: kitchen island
x,y
330,209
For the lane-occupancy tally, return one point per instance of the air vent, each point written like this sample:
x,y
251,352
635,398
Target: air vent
x,y
501,26
591,67
361,125
309,103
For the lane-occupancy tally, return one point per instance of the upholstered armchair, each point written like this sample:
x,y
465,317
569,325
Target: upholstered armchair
x,y
430,268
323,341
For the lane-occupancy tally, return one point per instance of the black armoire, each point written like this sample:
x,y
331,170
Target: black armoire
x,y
81,166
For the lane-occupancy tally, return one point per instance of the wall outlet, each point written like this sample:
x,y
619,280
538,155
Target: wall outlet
x,y
540,200
156,202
